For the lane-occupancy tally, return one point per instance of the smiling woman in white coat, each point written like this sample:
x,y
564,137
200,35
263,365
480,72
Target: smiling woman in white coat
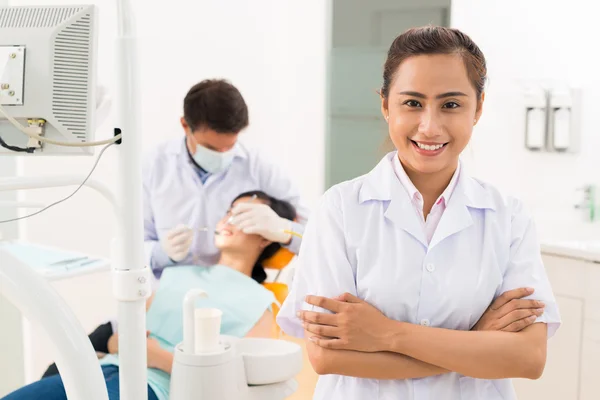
x,y
398,266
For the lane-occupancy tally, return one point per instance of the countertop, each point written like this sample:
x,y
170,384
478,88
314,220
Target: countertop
x,y
587,250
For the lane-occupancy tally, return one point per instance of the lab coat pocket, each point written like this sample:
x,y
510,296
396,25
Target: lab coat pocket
x,y
476,389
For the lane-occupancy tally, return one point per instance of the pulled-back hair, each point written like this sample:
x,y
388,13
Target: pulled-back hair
x,y
435,40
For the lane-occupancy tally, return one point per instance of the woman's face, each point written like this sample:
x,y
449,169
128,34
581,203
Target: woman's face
x,y
230,237
431,110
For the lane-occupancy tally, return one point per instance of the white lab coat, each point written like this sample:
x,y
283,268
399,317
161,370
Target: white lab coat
x,y
365,238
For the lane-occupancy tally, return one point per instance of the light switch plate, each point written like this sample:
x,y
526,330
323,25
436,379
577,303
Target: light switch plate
x,y
12,73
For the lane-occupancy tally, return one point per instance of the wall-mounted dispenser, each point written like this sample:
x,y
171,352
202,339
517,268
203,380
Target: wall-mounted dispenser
x,y
563,127
552,118
536,117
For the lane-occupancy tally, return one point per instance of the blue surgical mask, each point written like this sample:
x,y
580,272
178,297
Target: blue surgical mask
x,y
213,161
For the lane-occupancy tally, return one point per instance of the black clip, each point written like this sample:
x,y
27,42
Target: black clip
x,y
118,132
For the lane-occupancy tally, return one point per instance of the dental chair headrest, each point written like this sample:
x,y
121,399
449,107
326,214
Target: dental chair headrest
x,y
279,260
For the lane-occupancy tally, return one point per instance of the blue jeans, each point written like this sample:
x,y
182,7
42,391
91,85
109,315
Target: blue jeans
x,y
52,388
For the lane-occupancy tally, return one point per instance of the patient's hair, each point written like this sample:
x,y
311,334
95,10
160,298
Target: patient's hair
x,y
281,208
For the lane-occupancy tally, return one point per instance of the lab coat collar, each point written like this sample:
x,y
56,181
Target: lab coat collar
x,y
377,184
382,184
412,190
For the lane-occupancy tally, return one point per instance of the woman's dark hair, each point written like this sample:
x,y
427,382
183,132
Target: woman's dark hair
x,y
281,208
435,40
215,104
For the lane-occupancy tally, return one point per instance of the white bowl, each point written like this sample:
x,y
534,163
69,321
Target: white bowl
x,y
269,361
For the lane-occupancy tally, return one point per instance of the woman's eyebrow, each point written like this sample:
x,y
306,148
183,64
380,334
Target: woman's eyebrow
x,y
450,94
439,96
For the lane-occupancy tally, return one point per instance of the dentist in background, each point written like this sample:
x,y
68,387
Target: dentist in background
x,y
189,183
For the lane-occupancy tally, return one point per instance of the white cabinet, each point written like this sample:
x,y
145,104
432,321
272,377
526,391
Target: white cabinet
x,y
561,375
573,366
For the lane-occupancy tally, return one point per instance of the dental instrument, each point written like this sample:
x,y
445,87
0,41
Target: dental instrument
x,y
203,229
68,261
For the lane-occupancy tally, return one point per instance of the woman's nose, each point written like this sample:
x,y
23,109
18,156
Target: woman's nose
x,y
430,124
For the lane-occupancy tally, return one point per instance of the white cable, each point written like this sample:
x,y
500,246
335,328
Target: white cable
x,y
28,132
69,196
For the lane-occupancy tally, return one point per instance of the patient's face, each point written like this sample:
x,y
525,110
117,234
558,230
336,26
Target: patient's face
x,y
233,239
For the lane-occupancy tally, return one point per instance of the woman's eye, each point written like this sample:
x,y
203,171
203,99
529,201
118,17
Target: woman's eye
x,y
450,104
412,103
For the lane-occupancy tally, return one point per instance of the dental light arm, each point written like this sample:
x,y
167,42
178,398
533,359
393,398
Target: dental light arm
x,y
40,84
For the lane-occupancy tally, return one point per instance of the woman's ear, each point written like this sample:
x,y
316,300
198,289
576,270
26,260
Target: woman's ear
x,y
479,108
384,107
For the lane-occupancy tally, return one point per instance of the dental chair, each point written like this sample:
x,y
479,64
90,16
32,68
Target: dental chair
x,y
239,369
278,262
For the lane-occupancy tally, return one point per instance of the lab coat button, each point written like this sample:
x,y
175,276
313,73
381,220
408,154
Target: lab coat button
x,y
430,267
425,322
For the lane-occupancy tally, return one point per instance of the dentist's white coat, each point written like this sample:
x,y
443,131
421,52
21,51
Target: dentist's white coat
x,y
366,239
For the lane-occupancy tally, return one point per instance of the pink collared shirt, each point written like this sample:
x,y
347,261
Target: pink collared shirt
x,y
433,219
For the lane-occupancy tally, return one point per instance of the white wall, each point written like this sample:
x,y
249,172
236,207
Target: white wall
x,y
529,41
273,51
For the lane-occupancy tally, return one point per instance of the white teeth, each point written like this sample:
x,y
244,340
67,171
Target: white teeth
x,y
429,147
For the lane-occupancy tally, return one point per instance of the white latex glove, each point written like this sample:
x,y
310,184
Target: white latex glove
x,y
177,242
260,219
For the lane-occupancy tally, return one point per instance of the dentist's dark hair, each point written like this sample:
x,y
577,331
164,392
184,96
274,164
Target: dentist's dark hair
x,y
435,40
281,208
215,104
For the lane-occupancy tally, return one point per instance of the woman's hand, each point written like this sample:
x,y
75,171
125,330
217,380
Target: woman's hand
x,y
355,324
510,312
